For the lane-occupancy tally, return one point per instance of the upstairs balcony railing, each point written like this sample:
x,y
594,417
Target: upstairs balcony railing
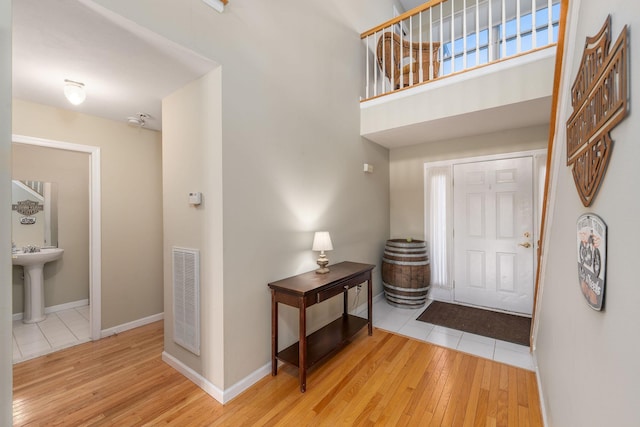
x,y
445,37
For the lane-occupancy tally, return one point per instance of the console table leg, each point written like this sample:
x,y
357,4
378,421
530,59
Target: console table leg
x,y
345,303
369,305
302,347
274,334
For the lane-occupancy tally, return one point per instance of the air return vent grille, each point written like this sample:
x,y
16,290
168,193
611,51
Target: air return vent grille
x,y
186,298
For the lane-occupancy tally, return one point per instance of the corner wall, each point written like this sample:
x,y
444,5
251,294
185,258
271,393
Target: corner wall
x,y
588,360
6,346
192,161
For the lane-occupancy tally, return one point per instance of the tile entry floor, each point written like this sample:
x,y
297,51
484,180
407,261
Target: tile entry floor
x,y
403,321
59,330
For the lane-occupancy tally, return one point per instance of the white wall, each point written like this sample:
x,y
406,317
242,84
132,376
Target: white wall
x,y
407,170
291,150
192,161
588,360
6,347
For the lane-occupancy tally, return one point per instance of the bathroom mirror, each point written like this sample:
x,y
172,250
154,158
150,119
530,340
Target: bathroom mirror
x,y
34,213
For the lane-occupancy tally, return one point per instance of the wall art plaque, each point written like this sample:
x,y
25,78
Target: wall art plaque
x,y
592,258
599,97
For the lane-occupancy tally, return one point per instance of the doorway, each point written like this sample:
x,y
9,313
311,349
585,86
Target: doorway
x,y
482,220
493,229
94,221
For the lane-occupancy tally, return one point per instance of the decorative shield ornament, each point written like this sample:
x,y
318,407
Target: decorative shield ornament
x,y
592,258
28,207
599,99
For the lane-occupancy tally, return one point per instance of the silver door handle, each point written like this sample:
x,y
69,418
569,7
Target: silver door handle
x,y
525,244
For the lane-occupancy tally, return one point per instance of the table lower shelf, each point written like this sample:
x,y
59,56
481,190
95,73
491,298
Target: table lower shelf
x,y
325,341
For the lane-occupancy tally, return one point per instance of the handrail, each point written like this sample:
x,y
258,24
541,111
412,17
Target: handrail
x,y
564,10
445,37
402,17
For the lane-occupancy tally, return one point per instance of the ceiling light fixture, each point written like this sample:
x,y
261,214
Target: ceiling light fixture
x,y
138,120
74,91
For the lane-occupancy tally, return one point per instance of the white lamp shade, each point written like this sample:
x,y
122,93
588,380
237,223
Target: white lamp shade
x,y
322,241
74,92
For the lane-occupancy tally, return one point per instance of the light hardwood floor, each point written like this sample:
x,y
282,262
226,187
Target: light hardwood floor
x,y
385,379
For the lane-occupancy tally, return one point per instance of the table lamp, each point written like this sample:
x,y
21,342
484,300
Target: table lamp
x,y
322,242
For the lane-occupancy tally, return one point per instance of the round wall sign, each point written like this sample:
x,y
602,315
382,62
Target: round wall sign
x,y
592,257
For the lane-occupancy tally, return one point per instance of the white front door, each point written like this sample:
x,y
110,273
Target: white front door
x,y
493,234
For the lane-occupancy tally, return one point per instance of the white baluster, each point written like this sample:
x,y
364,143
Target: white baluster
x,y
534,42
453,37
375,66
504,30
412,65
431,70
366,59
420,58
518,29
464,34
441,28
392,53
491,36
477,32
550,22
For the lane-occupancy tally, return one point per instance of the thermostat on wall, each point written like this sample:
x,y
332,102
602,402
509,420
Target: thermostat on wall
x,y
195,198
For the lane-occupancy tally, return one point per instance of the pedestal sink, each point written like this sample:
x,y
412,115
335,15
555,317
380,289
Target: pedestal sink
x,y
33,263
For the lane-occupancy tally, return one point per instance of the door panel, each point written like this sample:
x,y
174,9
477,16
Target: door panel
x,y
493,224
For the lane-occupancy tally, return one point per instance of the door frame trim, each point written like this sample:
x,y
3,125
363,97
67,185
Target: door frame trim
x,y
446,294
95,243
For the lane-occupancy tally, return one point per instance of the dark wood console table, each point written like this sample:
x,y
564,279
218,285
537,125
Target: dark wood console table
x,y
310,288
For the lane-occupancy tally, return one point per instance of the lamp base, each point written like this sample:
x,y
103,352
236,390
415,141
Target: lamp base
x,y
323,261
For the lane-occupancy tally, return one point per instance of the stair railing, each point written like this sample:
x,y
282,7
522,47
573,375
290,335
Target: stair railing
x,y
446,37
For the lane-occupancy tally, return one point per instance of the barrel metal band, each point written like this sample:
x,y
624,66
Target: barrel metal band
x,y
409,255
395,288
391,261
406,245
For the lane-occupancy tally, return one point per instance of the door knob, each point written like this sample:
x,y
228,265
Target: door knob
x,y
525,244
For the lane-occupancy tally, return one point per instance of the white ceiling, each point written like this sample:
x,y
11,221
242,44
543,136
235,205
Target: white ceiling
x,y
410,4
126,68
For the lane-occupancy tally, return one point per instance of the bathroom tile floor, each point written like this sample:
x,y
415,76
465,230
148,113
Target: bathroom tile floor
x,y
403,321
59,330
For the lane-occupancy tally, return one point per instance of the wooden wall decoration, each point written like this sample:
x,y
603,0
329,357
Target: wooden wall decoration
x,y
599,97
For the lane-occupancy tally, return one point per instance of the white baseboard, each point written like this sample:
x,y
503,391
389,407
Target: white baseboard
x,y
56,308
194,377
378,297
222,396
362,307
543,407
131,325
247,382
441,294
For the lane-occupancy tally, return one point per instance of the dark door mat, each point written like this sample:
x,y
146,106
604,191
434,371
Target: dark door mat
x,y
501,326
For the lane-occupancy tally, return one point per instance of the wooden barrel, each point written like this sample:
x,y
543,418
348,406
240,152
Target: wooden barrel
x,y
406,274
